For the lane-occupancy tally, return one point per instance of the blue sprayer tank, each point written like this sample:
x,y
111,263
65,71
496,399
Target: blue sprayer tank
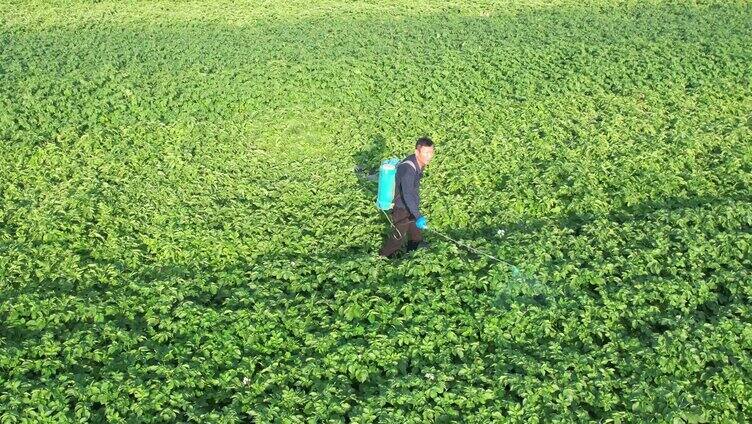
x,y
387,177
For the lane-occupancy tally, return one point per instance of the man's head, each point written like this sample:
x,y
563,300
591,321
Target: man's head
x,y
424,151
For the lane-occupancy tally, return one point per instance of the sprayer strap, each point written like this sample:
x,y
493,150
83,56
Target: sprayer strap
x,y
411,164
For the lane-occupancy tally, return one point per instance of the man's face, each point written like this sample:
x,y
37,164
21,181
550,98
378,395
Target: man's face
x,y
424,154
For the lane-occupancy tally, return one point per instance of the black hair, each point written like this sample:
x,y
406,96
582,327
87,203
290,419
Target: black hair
x,y
424,141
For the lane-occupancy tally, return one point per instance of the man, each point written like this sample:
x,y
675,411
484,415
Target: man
x,y
406,216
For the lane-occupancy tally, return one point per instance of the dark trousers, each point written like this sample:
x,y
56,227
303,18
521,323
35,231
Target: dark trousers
x,y
404,228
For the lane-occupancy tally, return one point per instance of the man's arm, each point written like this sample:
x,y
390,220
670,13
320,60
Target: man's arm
x,y
409,194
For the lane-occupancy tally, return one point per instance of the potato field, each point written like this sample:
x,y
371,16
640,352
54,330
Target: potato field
x,y
188,232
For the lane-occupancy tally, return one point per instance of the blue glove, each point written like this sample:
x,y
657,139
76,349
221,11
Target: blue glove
x,y
421,223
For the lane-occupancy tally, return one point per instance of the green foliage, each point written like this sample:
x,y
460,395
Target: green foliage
x,y
182,238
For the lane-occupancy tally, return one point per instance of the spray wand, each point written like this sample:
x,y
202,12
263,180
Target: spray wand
x,y
472,249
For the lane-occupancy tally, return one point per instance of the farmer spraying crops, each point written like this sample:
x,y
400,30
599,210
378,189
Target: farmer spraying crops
x,y
407,221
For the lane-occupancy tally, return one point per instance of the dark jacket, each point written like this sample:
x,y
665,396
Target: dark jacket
x,y
407,185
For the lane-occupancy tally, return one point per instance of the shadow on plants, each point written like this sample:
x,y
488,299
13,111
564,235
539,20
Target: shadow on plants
x,y
576,221
368,160
532,290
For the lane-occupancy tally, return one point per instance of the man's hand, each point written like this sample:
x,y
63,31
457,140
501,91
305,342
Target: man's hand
x,y
421,223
